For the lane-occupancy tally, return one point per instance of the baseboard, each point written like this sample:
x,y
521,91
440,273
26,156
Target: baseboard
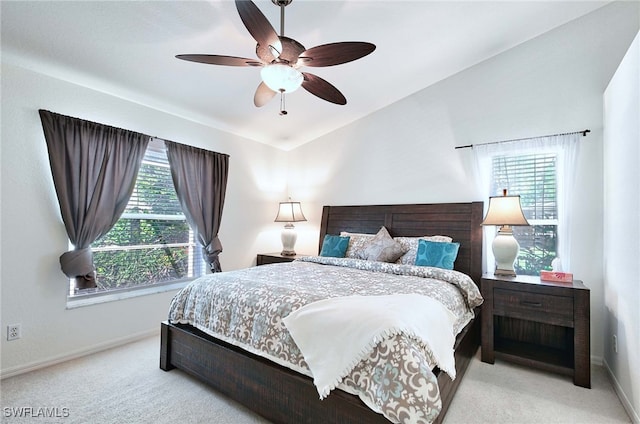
x,y
597,360
628,406
22,369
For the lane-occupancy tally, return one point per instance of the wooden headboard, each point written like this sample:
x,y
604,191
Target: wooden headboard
x,y
461,221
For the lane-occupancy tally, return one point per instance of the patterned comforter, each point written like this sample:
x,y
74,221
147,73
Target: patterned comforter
x,y
246,308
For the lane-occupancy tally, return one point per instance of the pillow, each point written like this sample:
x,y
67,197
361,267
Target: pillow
x,y
381,248
334,246
356,242
436,254
410,244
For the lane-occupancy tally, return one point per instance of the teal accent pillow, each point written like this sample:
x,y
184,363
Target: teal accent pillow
x,y
334,246
437,254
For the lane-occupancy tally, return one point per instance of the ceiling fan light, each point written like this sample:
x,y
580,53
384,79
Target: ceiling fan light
x,y
281,78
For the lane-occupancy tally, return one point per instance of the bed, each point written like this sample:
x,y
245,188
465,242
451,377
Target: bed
x,y
283,395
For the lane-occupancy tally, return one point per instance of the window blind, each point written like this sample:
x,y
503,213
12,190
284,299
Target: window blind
x,y
533,177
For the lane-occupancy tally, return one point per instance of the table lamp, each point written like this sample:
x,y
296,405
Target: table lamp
x,y
506,212
289,212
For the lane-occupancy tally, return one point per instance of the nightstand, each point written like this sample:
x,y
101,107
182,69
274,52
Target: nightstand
x,y
537,324
273,258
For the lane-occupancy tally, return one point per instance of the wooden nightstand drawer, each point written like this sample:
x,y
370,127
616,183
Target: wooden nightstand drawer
x,y
274,258
548,309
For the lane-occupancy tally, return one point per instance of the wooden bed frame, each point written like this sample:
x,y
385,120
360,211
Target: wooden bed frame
x,y
283,396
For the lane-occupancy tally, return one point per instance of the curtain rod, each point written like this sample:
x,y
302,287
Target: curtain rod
x,y
583,132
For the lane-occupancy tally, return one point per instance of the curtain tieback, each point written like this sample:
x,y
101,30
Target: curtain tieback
x,y
78,263
213,249
211,252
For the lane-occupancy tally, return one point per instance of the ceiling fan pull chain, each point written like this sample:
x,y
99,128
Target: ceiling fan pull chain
x,y
283,112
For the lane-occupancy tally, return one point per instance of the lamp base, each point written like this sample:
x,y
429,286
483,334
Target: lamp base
x,y
504,272
288,238
505,250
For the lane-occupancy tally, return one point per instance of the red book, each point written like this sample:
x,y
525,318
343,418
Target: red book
x,y
564,277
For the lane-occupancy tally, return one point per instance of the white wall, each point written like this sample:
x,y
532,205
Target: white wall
x,y
405,152
33,288
622,227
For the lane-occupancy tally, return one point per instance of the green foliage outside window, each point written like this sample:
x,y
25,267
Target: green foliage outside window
x,y
537,248
142,266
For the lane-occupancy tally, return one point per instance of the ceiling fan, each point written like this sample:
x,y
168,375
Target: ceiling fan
x,y
281,57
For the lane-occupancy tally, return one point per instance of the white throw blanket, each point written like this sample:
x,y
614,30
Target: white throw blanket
x,y
335,334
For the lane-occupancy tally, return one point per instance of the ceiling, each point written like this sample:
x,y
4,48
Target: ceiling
x,y
128,48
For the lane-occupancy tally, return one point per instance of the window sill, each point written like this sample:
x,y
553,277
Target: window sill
x,y
80,301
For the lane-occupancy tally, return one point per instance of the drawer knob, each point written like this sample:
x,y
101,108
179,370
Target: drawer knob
x,y
528,303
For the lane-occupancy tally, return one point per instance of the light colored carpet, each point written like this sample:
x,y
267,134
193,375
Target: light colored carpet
x,y
125,385
509,393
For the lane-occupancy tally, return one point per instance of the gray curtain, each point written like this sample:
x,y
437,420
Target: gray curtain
x,y
94,170
200,179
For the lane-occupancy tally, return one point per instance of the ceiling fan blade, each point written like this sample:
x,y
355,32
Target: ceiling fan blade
x,y
291,50
259,27
321,88
335,53
214,59
263,95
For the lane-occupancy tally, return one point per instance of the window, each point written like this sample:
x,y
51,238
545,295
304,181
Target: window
x,y
542,170
534,177
152,242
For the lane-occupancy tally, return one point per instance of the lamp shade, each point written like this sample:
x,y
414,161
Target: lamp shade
x,y
290,212
281,78
505,210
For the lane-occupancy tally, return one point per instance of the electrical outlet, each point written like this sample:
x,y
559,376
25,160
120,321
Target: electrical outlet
x,y
13,332
615,344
